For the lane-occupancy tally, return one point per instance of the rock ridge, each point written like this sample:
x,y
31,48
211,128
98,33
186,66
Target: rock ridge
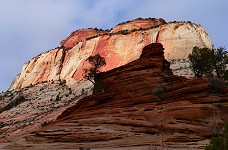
x,y
118,46
140,106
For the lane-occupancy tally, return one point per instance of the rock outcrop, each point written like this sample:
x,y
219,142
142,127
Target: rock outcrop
x,y
28,109
119,46
143,106
138,24
78,36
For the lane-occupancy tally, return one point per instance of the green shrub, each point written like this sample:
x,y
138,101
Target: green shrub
x,y
2,124
159,90
45,123
13,103
82,91
58,98
123,32
201,61
216,85
62,82
164,74
208,62
219,142
226,75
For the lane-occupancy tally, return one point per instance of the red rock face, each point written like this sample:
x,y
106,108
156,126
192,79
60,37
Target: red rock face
x,y
137,24
78,36
120,46
81,35
139,107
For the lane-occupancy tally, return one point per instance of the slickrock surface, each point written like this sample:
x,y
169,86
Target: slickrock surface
x,y
143,106
27,109
181,67
119,46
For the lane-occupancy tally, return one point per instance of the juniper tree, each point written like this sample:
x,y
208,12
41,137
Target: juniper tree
x,y
201,61
207,62
90,73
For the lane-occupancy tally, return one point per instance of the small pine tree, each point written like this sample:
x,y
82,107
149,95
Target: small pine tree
x,y
91,73
96,63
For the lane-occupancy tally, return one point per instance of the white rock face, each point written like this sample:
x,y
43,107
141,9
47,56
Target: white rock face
x,y
178,39
181,68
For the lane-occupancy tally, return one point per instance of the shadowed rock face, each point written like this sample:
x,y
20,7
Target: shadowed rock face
x,y
140,106
119,46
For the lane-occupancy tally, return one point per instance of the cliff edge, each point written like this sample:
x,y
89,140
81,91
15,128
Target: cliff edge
x,y
118,46
143,106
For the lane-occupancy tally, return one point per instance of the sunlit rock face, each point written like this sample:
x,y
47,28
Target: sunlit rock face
x,y
138,107
119,46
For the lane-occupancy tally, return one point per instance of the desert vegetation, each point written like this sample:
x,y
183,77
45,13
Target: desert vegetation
x,y
212,64
219,142
209,62
31,106
159,91
90,73
16,101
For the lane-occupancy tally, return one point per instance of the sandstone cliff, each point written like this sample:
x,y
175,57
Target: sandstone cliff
x,y
139,108
119,46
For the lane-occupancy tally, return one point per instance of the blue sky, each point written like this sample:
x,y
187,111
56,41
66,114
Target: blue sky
x,y
30,27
